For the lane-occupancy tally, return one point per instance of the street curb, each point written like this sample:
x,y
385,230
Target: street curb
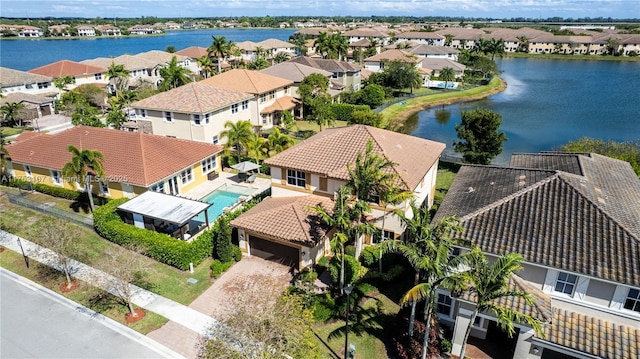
x,y
108,322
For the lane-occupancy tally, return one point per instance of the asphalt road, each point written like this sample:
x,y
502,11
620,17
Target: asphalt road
x,y
36,323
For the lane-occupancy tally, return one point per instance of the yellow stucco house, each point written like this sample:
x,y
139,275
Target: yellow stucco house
x,y
133,162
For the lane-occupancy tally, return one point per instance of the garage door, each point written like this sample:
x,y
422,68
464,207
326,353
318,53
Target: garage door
x,y
274,251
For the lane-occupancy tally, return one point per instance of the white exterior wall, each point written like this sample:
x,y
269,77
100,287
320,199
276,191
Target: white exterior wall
x,y
32,88
89,79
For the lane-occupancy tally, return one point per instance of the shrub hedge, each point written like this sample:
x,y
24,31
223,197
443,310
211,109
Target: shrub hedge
x,y
343,111
217,267
59,192
158,246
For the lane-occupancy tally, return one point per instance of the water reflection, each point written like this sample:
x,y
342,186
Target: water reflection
x,y
443,115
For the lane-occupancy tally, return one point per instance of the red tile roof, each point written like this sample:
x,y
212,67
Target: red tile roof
x,y
330,151
193,52
67,67
142,159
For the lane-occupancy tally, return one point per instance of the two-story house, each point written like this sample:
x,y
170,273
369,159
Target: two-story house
x,y
421,37
343,73
24,82
109,30
376,62
271,94
140,70
133,162
195,111
163,58
282,227
86,30
81,73
575,218
29,31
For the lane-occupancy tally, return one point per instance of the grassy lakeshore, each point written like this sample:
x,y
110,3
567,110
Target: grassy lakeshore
x,y
571,57
395,115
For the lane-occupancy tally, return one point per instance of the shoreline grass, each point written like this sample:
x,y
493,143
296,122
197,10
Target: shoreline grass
x,y
571,57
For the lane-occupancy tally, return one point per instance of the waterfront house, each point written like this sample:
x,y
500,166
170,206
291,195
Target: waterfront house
x,y
35,106
431,51
196,111
108,30
574,219
29,31
163,58
343,73
271,94
133,162
194,52
81,73
86,30
140,70
142,30
421,37
25,82
275,46
433,66
310,173
376,62
381,35
63,30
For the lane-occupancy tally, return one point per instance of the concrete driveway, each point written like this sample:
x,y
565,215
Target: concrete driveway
x,y
252,281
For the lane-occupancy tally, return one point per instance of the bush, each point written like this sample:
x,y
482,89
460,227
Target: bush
x,y
323,262
306,276
370,256
366,288
222,240
217,267
351,269
323,308
343,111
350,250
393,273
158,246
237,254
59,192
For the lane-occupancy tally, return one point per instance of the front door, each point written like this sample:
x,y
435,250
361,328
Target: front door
x,y
173,186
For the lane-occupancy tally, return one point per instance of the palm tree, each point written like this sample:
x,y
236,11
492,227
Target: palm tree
x,y
523,45
323,44
482,46
10,110
367,178
278,142
173,75
280,57
119,75
339,45
4,154
206,65
239,134
428,248
448,39
62,82
83,165
447,74
390,194
219,49
115,115
257,148
496,47
488,283
300,42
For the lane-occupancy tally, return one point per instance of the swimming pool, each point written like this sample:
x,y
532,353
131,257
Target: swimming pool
x,y
221,197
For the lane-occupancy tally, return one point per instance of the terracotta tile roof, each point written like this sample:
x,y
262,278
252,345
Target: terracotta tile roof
x,y
585,224
422,49
394,55
295,221
365,32
247,45
10,77
332,66
160,57
419,35
194,52
130,62
293,71
540,308
67,67
194,97
142,159
281,104
19,97
592,335
329,152
361,43
437,63
248,81
275,44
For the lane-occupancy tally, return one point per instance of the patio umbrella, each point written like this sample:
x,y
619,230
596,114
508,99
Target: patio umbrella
x,y
245,166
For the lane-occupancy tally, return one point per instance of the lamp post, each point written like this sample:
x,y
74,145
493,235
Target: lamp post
x,y
347,291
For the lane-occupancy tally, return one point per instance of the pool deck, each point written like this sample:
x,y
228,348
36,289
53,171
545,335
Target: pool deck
x,y
258,186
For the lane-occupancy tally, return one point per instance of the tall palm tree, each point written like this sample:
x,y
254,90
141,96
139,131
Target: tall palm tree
x,y
206,65
323,44
280,57
62,82
238,134
428,248
278,142
120,76
219,49
488,283
447,74
300,42
448,39
482,46
391,195
339,45
9,112
173,75
367,178
4,154
83,165
496,47
523,43
257,148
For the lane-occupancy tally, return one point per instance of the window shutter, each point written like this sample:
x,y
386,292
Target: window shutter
x,y
283,173
581,288
550,280
307,180
323,184
619,296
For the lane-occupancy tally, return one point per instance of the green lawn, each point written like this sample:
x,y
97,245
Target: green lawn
x,y
572,57
85,294
11,131
446,174
369,342
163,279
60,203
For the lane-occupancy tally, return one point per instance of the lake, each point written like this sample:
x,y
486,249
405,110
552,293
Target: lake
x,y
27,54
548,103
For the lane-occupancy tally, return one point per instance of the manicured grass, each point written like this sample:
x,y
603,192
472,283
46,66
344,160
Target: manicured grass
x,y
573,57
76,207
161,278
91,297
11,131
395,114
446,174
370,342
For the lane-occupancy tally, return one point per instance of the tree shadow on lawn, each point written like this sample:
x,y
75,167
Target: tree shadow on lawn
x,y
371,321
78,206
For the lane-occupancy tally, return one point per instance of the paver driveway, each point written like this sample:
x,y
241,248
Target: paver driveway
x,y
252,280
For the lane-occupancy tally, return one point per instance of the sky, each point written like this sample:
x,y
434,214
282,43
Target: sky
x,y
498,9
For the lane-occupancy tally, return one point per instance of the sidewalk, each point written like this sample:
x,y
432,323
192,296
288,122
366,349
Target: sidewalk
x,y
175,312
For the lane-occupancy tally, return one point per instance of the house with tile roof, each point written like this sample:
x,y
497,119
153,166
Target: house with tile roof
x,y
381,35
194,52
140,70
133,162
297,72
196,111
575,218
344,73
108,30
86,30
163,58
275,46
271,94
376,62
25,82
313,170
81,73
421,37
35,106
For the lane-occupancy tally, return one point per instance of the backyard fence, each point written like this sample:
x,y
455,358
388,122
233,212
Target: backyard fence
x,y
50,210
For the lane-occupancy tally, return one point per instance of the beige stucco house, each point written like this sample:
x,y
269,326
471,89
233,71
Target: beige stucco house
x,y
82,73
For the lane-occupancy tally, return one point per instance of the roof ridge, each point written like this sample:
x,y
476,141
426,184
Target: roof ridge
x,y
510,197
250,78
527,289
294,206
195,88
402,180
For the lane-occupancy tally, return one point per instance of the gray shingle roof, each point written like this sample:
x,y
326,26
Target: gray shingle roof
x,y
10,77
585,224
326,64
